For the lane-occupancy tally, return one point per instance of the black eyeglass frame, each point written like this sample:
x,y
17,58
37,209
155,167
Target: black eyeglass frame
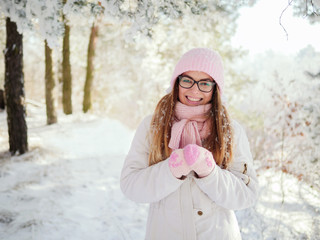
x,y
197,82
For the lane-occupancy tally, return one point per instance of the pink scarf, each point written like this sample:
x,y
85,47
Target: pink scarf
x,y
191,125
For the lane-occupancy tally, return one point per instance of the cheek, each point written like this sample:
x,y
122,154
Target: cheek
x,y
207,98
181,93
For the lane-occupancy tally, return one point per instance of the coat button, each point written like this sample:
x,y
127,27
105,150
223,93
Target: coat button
x,y
200,213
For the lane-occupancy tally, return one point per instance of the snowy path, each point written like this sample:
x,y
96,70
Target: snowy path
x,y
67,187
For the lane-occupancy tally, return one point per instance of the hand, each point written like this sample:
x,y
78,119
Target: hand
x,y
178,165
199,159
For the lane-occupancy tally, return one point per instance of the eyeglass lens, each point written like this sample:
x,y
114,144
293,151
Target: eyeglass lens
x,y
203,85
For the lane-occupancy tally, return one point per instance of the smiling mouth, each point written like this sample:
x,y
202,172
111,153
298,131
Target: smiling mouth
x,y
193,99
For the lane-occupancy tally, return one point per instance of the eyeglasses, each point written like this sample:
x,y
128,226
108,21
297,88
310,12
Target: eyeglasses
x,y
204,85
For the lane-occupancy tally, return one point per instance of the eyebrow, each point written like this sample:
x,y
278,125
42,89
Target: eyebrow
x,y
185,75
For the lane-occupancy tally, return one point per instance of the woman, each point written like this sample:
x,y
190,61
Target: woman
x,y
189,160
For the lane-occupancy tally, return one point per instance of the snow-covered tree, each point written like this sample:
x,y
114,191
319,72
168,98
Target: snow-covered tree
x,y
282,111
307,8
24,15
42,16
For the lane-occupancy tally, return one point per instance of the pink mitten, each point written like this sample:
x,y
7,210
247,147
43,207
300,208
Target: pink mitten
x,y
199,159
177,164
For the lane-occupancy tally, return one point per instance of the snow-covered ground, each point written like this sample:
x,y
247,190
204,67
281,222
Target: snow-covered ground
x,y
67,187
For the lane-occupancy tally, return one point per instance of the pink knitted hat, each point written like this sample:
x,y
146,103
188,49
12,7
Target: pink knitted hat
x,y
203,60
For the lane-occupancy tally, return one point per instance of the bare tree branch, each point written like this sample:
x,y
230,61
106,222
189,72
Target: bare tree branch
x,y
313,7
280,18
311,75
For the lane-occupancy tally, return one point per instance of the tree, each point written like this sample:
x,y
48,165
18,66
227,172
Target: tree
x,y
49,86
308,8
21,15
90,68
96,11
66,70
14,89
2,102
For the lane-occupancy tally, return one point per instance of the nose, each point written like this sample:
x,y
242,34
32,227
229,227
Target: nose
x,y
195,88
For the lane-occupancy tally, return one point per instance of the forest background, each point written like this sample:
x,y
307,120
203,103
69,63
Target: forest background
x,y
274,95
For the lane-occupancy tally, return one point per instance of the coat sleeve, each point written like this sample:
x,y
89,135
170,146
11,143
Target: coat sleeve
x,y
139,181
237,187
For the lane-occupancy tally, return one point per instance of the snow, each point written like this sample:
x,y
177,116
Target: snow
x,y
67,187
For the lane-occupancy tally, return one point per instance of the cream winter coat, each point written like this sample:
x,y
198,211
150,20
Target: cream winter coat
x,y
193,208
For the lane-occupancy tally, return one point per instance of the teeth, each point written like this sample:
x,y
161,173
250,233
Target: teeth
x,y
194,99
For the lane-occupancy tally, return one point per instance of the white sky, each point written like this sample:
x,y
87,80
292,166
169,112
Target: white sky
x,y
259,29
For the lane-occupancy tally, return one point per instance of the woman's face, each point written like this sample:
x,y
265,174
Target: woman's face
x,y
193,96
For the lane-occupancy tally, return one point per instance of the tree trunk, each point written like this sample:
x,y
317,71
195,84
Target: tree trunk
x,y
49,86
90,69
2,102
66,73
14,90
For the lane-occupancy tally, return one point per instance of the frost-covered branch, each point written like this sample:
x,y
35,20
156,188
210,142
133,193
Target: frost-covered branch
x,y
45,16
309,9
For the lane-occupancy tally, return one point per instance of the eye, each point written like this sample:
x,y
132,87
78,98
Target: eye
x,y
186,80
206,83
